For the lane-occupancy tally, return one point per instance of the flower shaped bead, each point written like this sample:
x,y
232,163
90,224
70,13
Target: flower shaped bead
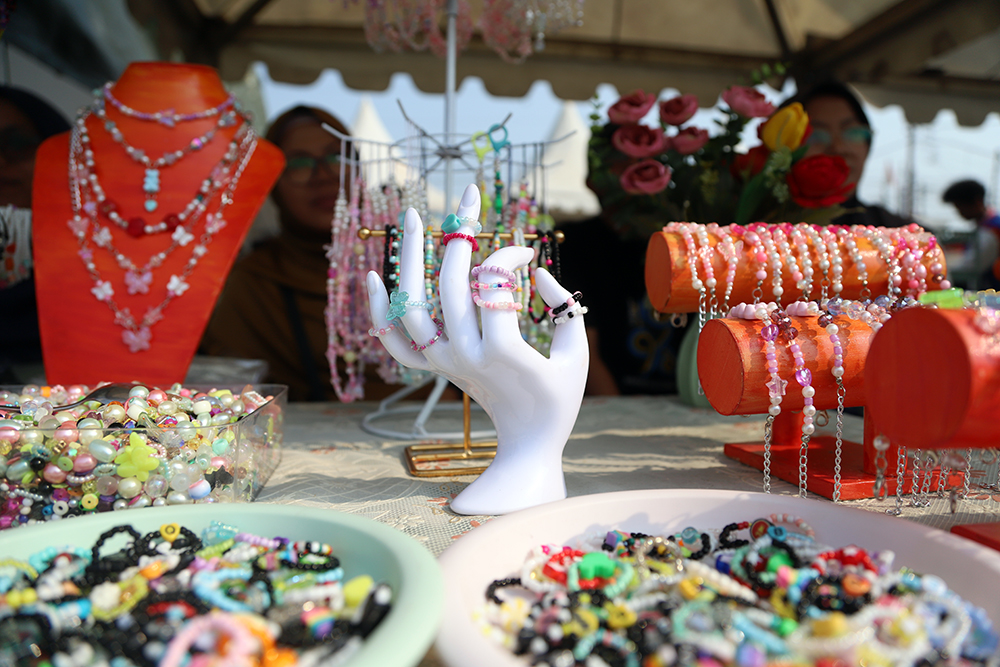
x,y
397,305
137,459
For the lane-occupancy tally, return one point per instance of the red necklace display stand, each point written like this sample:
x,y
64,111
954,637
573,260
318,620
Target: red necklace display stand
x,y
732,367
935,384
81,343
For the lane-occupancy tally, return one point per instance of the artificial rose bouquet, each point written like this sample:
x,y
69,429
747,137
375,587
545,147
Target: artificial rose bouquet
x,y
675,171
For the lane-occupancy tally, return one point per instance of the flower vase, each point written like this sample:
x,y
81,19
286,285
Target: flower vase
x,y
688,386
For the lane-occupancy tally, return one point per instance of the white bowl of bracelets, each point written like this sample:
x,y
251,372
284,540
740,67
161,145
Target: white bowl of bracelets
x,y
241,585
652,578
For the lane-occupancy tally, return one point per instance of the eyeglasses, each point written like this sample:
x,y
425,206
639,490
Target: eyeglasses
x,y
852,135
300,169
16,145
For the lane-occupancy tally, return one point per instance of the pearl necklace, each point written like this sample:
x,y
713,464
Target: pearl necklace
x,y
151,180
137,335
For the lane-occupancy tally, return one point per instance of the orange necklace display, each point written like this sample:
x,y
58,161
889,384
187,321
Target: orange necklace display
x,y
86,195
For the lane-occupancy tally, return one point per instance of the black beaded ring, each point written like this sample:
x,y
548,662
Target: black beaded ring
x,y
100,569
576,296
491,590
328,563
724,540
186,543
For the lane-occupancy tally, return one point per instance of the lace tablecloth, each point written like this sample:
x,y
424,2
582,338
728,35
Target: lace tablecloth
x,y
617,444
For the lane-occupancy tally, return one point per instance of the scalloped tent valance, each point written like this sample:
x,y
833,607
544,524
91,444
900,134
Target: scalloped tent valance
x,y
925,55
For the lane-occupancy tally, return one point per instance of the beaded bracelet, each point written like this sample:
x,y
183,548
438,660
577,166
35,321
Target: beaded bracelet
x,y
437,335
459,235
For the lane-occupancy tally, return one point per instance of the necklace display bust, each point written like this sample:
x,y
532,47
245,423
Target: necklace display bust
x,y
124,288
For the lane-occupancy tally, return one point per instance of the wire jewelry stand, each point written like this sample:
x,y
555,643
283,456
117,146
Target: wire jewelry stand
x,y
432,154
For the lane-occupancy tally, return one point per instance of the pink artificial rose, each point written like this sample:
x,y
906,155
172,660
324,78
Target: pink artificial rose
x,y
748,102
678,110
639,141
689,140
645,178
631,108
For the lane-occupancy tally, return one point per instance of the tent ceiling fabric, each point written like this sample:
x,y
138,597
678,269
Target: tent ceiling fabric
x,y
894,51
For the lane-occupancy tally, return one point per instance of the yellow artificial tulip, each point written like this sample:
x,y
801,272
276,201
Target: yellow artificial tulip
x,y
787,127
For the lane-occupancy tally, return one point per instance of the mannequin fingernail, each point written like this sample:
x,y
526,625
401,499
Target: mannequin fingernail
x,y
469,196
372,283
412,221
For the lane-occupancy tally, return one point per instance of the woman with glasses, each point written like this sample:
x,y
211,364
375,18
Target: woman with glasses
x,y
272,306
25,122
840,127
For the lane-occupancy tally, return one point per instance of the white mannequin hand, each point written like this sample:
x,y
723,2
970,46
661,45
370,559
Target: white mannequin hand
x,y
532,400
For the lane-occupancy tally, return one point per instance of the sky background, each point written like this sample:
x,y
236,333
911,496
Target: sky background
x,y
944,151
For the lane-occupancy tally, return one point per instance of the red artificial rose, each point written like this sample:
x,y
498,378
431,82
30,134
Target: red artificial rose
x,y
678,110
639,141
631,108
747,165
819,181
645,178
689,140
748,102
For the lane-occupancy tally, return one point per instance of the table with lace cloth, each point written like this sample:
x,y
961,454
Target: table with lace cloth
x,y
618,444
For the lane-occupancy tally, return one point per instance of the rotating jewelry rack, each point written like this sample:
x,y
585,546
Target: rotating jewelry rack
x,y
431,154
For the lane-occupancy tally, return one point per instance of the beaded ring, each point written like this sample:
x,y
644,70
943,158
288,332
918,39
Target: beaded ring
x,y
496,305
378,333
240,645
440,331
508,286
398,303
574,310
574,298
452,223
459,235
499,270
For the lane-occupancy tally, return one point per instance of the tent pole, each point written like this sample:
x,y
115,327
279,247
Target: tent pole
x,y
449,98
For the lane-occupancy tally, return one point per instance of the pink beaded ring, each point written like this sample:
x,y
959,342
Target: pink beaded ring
x,y
499,270
437,336
459,235
496,305
378,333
507,286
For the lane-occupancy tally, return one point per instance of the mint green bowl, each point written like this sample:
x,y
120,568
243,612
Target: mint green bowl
x,y
362,545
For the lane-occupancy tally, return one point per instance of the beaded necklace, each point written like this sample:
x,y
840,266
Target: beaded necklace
x,y
137,335
136,225
138,279
167,117
151,180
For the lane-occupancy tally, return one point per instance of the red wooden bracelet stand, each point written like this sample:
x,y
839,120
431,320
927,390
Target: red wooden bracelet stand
x,y
733,374
935,384
81,343
668,274
732,368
